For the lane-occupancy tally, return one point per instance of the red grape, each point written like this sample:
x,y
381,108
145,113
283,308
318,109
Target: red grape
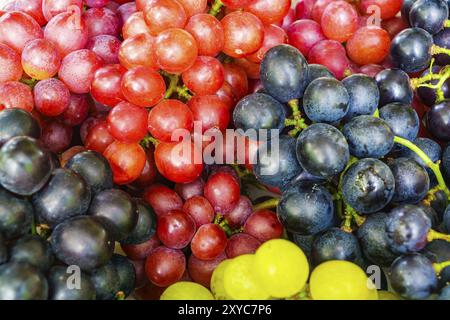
x,y
191,189
162,199
17,28
127,160
369,45
142,250
269,11
240,244
32,8
175,229
244,34
135,25
273,36
106,85
40,59
205,77
51,97
168,116
70,153
394,26
193,7
371,70
10,67
106,47
332,55
149,173
236,218
89,123
211,111
141,4
207,32
236,4
99,138
127,122
51,8
138,51
388,8
139,270
96,3
303,9
125,11
201,271
223,192
161,15
77,110
226,94
304,34
143,86
252,69
209,242
165,266
200,210
263,225
67,31
339,21
288,19
14,94
237,78
176,50
318,9
56,136
102,21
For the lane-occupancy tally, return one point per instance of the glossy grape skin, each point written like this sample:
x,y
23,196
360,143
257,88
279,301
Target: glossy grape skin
x,y
106,47
438,121
143,86
58,290
429,15
442,39
127,160
175,229
120,118
240,244
82,241
200,210
368,137
165,266
276,165
146,224
17,28
102,21
407,228
10,64
40,59
126,274
141,251
106,85
209,242
326,100
402,119
237,79
318,71
32,250
51,97
258,111
411,49
273,36
208,33
21,281
138,50
413,277
14,94
162,199
222,191
190,190
306,209
322,150
263,225
135,25
24,166
268,11
56,136
368,185
66,195
364,95
106,282
284,73
161,15
332,55
210,111
205,77
438,251
374,241
116,210
428,95
339,21
369,45
51,8
394,86
16,215
99,138
304,34
17,122
201,270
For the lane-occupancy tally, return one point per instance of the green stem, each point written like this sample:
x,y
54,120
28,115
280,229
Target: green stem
x,y
148,140
429,163
216,8
297,121
438,267
268,204
447,24
376,114
435,235
120,295
173,83
183,92
29,82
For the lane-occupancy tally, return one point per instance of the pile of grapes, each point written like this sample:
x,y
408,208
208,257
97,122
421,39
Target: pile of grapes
x,y
112,110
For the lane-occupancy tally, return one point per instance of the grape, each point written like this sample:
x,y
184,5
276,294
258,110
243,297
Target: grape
x,y
442,39
402,119
339,21
106,47
445,293
388,8
99,137
428,95
243,34
368,185
17,29
210,111
368,137
106,282
127,122
438,251
165,266
142,250
394,87
102,21
200,210
208,34
340,280
263,225
429,15
16,215
268,11
14,94
135,25
126,10
236,4
127,160
273,36
318,8
11,69
78,69
201,271
17,122
304,34
364,95
374,240
217,280
184,290
318,71
51,8
371,70
51,97
438,121
237,78
208,242
193,7
32,8
82,241
21,281
146,225
67,31
322,150
138,50
190,190
126,274
3,251
303,242
175,229
284,72
58,290
240,282
446,221
143,86
32,250
330,54
40,59
205,77
413,277
161,15
56,136
162,199
24,166
368,45
240,244
227,95
222,191
106,85
336,244
431,148
394,26
306,209
240,213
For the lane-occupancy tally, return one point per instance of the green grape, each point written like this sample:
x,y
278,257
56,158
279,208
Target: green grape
x,y
386,295
185,290
281,268
340,280
217,286
239,280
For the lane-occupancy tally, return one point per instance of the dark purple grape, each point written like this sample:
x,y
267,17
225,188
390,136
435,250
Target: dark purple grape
x,y
126,273
438,251
33,250
446,220
445,293
364,95
22,281
429,15
445,162
394,86
406,9
438,121
236,218
3,250
106,282
442,39
428,95
318,71
146,225
402,119
16,215
431,214
17,122
58,280
303,242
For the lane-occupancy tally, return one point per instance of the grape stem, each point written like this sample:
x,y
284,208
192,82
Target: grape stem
x,y
29,82
149,140
435,235
216,8
297,120
431,196
376,114
183,92
120,295
173,83
447,24
268,204
429,163
438,267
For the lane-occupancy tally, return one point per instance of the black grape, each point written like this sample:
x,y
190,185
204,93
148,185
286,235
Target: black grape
x,y
364,95
438,121
303,242
406,9
394,86
429,15
106,282
33,250
18,122
126,273
442,39
146,225
58,280
3,250
22,281
428,95
318,71
402,119
16,215
438,251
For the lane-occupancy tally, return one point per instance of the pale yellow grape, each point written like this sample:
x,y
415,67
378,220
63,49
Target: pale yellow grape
x,y
216,285
239,280
186,290
386,295
340,280
281,267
